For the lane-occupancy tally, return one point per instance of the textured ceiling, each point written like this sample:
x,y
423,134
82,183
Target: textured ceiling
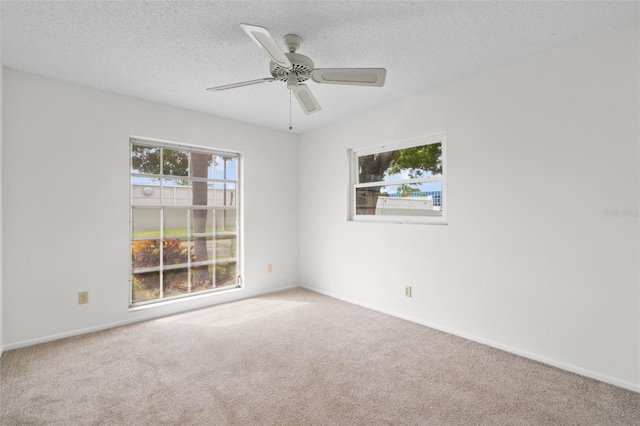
x,y
170,51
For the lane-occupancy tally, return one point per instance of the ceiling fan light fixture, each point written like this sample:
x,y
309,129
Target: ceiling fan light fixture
x,y
292,80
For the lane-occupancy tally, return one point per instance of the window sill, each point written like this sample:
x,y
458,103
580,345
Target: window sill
x,y
399,220
182,299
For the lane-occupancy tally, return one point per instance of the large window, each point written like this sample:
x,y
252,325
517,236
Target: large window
x,y
184,221
400,182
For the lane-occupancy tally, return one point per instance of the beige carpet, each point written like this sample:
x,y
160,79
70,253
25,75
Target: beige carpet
x,y
293,358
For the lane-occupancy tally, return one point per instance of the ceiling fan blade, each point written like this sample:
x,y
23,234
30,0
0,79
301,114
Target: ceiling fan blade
x,y
241,84
306,99
265,40
352,76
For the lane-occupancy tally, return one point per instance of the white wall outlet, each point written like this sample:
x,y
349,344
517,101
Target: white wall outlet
x,y
407,290
83,297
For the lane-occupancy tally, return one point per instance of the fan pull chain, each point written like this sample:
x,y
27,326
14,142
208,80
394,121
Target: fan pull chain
x,y
290,126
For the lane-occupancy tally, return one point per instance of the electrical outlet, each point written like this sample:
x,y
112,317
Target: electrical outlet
x,y
407,290
269,268
83,297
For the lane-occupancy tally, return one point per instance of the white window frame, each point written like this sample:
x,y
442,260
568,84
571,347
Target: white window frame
x,y
354,154
136,140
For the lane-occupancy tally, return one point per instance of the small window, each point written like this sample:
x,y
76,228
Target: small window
x,y
400,182
184,221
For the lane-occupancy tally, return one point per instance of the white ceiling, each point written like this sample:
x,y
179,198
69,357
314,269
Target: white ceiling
x,y
170,51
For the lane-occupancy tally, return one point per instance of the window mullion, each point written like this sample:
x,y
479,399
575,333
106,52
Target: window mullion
x,y
161,280
190,247
398,182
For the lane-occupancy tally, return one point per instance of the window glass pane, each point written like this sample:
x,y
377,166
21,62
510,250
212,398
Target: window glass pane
x,y
201,165
202,277
145,223
215,194
145,286
225,167
225,274
145,254
202,249
145,192
225,220
176,192
406,163
175,162
145,159
366,199
175,282
226,247
200,193
176,251
175,222
136,180
400,200
222,194
232,163
202,221
229,198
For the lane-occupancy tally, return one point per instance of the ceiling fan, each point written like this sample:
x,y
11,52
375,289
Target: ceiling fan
x,y
294,69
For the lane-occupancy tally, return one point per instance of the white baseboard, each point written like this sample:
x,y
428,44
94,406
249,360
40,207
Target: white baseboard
x,y
549,361
52,337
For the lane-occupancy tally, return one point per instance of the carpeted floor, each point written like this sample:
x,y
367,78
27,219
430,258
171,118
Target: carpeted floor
x,y
293,358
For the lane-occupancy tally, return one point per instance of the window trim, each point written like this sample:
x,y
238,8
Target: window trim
x,y
239,200
439,136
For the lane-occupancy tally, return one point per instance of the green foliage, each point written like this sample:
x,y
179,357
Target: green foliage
x,y
174,252
180,231
141,290
175,163
146,286
417,161
147,160
225,274
147,254
406,190
372,167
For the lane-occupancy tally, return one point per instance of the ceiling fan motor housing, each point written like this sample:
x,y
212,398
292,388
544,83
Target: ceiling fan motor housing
x,y
302,66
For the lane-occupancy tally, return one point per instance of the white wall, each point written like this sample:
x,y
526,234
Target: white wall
x,y
539,270
1,222
1,239
58,243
